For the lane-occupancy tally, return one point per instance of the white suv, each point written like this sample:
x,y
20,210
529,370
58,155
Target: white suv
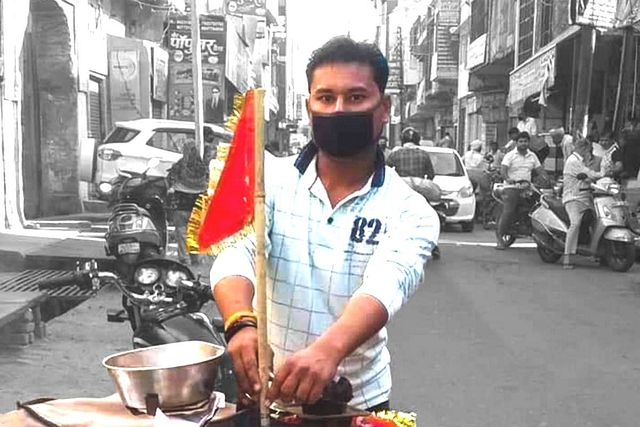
x,y
131,145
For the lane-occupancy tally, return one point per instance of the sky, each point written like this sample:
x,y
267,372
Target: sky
x,y
313,22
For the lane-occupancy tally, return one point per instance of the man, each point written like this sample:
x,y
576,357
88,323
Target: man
x,y
527,123
347,243
517,165
576,202
475,163
214,107
513,139
410,160
384,146
494,155
446,142
564,141
611,165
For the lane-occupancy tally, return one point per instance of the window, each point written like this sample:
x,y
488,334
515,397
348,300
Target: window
x,y
447,164
120,134
546,22
525,30
478,19
170,140
95,117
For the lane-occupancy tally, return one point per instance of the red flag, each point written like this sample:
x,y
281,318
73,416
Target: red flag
x,y
232,205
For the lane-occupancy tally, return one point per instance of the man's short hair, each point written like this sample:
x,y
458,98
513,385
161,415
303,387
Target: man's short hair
x,y
343,49
524,135
513,131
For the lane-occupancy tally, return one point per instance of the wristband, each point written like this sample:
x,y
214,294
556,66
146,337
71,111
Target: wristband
x,y
237,326
239,315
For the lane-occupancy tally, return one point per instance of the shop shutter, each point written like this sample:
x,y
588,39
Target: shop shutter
x,y
95,110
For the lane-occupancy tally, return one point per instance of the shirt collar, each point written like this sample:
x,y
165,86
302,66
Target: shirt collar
x,y
310,151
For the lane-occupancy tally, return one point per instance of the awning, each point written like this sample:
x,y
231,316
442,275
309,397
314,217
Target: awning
x,y
530,76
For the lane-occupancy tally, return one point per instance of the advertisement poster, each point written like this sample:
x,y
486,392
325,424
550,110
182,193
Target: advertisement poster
x,y
212,45
246,7
160,74
124,84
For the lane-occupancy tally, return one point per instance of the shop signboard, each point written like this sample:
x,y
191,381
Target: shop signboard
x,y
446,54
160,72
246,7
124,79
213,48
476,52
601,13
530,77
238,61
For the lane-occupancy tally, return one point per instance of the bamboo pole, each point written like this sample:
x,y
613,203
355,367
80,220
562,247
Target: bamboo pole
x,y
261,258
196,61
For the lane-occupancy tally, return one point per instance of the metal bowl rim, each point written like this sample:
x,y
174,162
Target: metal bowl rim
x,y
155,368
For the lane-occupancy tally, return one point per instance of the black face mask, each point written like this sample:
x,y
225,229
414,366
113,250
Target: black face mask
x,y
343,134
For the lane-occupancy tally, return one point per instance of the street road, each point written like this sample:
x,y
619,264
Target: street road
x,y
497,338
490,339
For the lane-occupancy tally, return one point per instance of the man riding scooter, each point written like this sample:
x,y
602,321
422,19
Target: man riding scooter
x,y
409,161
576,198
518,167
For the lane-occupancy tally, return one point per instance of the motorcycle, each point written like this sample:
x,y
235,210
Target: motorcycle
x,y
162,299
604,232
521,222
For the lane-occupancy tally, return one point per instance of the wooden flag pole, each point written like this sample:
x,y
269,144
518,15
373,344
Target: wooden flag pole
x,y
261,256
196,55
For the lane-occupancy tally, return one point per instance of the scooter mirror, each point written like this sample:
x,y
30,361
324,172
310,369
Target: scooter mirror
x,y
582,176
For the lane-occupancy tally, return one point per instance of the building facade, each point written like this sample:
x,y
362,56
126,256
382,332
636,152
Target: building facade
x,y
72,68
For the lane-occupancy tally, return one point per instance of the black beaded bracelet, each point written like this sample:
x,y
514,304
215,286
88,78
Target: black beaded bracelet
x,y
237,326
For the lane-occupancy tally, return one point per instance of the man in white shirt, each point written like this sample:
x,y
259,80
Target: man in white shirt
x,y
347,244
517,166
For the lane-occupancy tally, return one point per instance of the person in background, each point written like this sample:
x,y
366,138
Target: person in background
x,y
518,165
384,146
527,123
576,202
446,142
410,160
494,155
187,178
612,159
513,139
563,140
475,163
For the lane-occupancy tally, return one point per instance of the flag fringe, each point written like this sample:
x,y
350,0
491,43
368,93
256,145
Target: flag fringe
x,y
201,206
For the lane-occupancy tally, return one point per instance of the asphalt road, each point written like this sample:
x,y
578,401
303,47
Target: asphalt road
x,y
490,339
497,338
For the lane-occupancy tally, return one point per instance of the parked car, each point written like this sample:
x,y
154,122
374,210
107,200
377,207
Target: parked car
x,y
131,145
457,191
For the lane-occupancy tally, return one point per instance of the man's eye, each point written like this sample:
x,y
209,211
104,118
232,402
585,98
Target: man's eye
x,y
357,98
326,99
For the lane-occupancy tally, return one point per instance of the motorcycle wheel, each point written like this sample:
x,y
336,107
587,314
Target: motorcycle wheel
x,y
467,227
548,256
620,256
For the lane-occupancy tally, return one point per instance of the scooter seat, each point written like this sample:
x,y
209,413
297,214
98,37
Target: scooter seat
x,y
557,207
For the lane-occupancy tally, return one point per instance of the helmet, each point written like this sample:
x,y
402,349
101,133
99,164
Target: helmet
x,y
410,135
130,231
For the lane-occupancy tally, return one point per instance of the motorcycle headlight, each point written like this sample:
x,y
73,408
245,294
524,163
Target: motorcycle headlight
x,y
174,278
105,187
466,191
614,189
147,275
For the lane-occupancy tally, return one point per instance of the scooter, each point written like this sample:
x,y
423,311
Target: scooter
x,y
521,224
604,232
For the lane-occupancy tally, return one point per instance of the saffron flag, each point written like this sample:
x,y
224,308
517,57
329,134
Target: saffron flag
x,y
230,211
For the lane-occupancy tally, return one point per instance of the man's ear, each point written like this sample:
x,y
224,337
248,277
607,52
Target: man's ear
x,y
386,108
306,102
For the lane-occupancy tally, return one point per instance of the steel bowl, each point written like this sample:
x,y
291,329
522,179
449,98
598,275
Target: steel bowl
x,y
169,376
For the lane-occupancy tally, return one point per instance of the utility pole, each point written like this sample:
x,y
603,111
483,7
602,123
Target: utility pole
x,y
585,70
196,57
401,84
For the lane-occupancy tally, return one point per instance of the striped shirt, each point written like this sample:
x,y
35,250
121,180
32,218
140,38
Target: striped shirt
x,y
374,242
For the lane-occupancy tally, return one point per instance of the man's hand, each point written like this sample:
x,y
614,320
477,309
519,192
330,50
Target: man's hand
x,y
304,375
243,349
